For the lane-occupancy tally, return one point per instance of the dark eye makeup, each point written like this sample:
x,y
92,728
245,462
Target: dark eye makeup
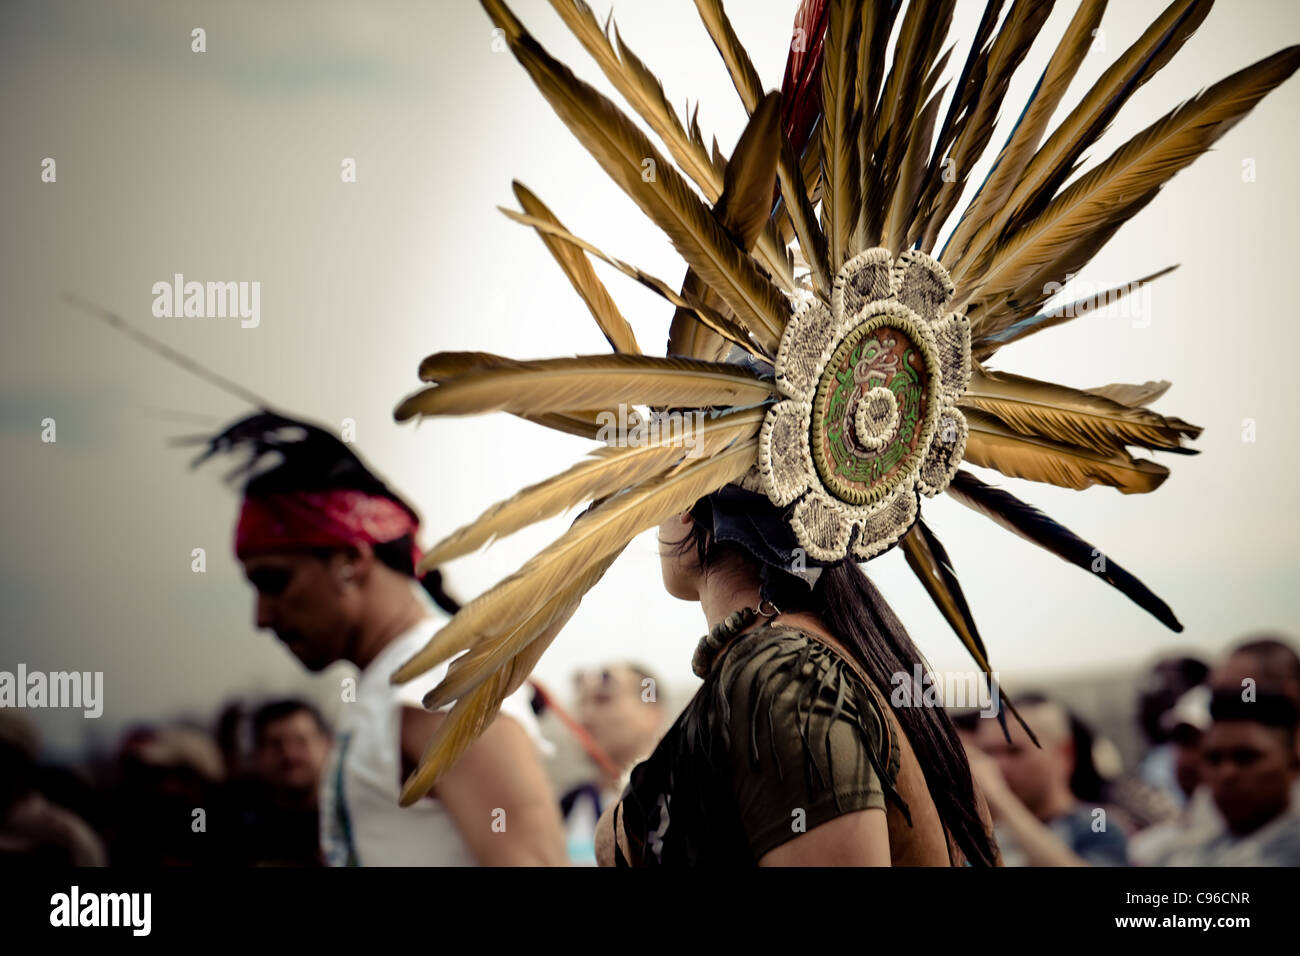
x,y
270,581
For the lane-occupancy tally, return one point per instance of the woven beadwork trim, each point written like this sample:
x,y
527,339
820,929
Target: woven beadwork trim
x,y
752,480
944,456
787,467
952,338
802,351
887,523
822,525
913,280
910,293
875,265
870,310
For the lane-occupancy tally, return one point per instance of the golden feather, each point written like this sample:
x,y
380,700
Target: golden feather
x,y
910,79
444,366
1071,416
803,218
1001,323
721,325
812,243
743,210
582,277
1132,395
1085,123
745,205
743,75
1060,239
993,444
473,713
458,730
929,561
589,381
645,94
612,470
929,569
841,198
691,336
878,136
490,649
1024,139
1023,23
607,527
622,150
470,670
900,223
584,424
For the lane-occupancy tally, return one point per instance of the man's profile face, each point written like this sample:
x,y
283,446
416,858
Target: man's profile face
x,y
1249,768
298,597
291,753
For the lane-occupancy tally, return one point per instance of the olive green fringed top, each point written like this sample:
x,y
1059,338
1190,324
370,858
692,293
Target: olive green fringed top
x,y
781,737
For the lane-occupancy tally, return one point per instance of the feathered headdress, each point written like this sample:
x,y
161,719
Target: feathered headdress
x,y
848,379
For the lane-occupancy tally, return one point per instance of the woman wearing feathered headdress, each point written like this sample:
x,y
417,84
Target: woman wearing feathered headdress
x,y
829,391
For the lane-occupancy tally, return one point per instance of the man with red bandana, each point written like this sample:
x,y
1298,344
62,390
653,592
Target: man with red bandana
x,y
331,553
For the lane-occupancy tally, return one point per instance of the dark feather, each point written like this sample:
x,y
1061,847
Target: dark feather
x,y
929,561
1031,524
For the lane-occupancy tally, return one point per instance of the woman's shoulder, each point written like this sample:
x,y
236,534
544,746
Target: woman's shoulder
x,y
766,641
807,738
773,651
787,674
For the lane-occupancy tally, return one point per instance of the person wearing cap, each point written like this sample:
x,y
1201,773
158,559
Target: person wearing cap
x,y
1250,767
1183,728
1162,687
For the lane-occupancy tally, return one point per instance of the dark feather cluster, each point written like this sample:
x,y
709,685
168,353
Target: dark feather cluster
x,y
302,457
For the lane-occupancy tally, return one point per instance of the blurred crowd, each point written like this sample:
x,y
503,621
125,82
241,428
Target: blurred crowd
x,y
1218,783
242,792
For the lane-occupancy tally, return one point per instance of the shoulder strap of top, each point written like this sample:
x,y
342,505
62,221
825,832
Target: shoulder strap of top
x,y
847,656
842,652
955,856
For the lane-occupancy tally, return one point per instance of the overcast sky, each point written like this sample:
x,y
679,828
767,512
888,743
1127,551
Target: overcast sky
x,y
225,165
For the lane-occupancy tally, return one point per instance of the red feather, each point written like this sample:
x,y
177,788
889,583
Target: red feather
x,y
801,91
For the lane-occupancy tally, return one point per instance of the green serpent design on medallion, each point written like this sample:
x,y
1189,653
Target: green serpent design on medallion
x,y
885,352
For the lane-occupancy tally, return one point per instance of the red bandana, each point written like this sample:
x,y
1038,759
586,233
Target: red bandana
x,y
321,519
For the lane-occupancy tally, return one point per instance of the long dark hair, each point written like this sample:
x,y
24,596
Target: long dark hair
x,y
857,613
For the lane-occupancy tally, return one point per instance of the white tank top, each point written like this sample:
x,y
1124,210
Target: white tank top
x,y
361,822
